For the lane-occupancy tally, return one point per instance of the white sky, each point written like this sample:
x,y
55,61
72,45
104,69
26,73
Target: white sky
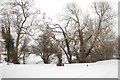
x,y
53,8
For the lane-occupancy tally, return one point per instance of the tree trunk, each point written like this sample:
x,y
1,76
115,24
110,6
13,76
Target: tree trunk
x,y
83,58
46,60
15,58
24,58
68,50
59,55
8,55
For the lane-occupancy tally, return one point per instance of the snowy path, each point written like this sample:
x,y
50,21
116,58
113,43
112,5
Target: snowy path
x,y
103,69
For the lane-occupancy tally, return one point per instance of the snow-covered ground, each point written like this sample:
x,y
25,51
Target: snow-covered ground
x,y
102,69
0,71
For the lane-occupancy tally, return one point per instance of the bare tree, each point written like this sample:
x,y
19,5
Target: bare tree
x,y
9,42
45,45
82,37
102,24
65,41
24,49
21,20
91,30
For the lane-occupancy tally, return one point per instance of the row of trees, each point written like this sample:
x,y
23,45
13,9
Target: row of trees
x,y
86,37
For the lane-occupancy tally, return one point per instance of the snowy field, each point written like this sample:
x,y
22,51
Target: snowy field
x,y
102,69
0,71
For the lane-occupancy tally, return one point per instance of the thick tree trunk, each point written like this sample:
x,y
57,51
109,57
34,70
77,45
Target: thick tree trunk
x,y
59,55
83,58
46,60
8,55
16,51
15,60
68,50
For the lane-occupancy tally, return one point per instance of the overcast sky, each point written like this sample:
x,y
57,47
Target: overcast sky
x,y
54,7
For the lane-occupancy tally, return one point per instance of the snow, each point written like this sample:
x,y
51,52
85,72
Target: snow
x,y
36,59
33,59
0,71
102,69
